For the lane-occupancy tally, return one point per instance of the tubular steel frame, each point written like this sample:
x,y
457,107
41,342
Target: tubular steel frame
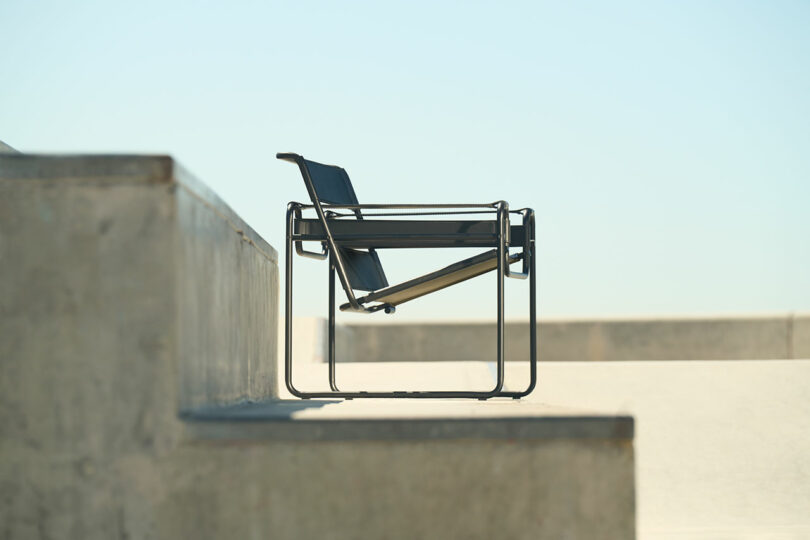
x,y
411,234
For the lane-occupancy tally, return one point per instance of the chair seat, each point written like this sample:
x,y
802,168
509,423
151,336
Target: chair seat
x,y
450,275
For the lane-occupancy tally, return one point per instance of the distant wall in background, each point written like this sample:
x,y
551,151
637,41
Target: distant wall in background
x,y
727,338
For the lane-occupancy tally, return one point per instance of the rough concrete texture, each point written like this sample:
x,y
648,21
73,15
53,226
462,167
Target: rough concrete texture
x,y
415,469
112,263
774,337
417,489
228,288
4,148
373,489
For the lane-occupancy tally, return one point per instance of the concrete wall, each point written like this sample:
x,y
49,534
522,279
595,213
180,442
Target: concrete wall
x,y
461,489
800,337
772,337
252,487
112,262
228,297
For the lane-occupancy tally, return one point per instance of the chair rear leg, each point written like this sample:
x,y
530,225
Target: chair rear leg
x,y
532,316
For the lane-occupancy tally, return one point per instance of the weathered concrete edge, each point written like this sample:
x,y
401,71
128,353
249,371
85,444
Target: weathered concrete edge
x,y
223,427
106,169
87,168
4,148
159,192
207,196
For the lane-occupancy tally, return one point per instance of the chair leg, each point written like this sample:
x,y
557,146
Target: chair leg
x,y
532,339
288,311
532,318
532,329
501,329
331,326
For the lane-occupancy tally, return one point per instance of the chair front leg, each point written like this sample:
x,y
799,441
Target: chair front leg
x,y
288,305
331,327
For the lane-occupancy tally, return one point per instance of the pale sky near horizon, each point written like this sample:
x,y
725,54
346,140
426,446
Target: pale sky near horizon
x,y
664,145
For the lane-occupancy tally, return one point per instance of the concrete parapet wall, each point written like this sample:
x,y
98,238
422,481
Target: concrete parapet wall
x,y
253,483
126,271
771,337
228,302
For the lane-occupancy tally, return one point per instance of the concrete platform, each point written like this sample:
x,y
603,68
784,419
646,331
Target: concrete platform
x,y
435,469
110,262
722,447
423,469
385,419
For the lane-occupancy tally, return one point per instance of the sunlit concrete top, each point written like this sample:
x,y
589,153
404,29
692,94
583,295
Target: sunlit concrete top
x,y
381,419
122,169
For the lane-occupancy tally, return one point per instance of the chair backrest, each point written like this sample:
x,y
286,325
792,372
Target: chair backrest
x,y
331,184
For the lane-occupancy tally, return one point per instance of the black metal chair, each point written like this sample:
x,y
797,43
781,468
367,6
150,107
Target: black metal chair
x,y
350,242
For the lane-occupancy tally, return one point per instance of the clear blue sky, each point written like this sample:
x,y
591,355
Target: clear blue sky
x,y
664,145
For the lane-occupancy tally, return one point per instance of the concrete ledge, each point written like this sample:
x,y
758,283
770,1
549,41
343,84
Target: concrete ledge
x,y
387,420
131,258
384,469
728,338
403,489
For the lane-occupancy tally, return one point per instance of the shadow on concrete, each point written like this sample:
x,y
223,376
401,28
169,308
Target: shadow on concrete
x,y
277,409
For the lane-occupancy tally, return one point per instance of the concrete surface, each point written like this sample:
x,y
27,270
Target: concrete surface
x,y
112,262
465,488
417,469
800,338
334,475
4,148
698,338
722,447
